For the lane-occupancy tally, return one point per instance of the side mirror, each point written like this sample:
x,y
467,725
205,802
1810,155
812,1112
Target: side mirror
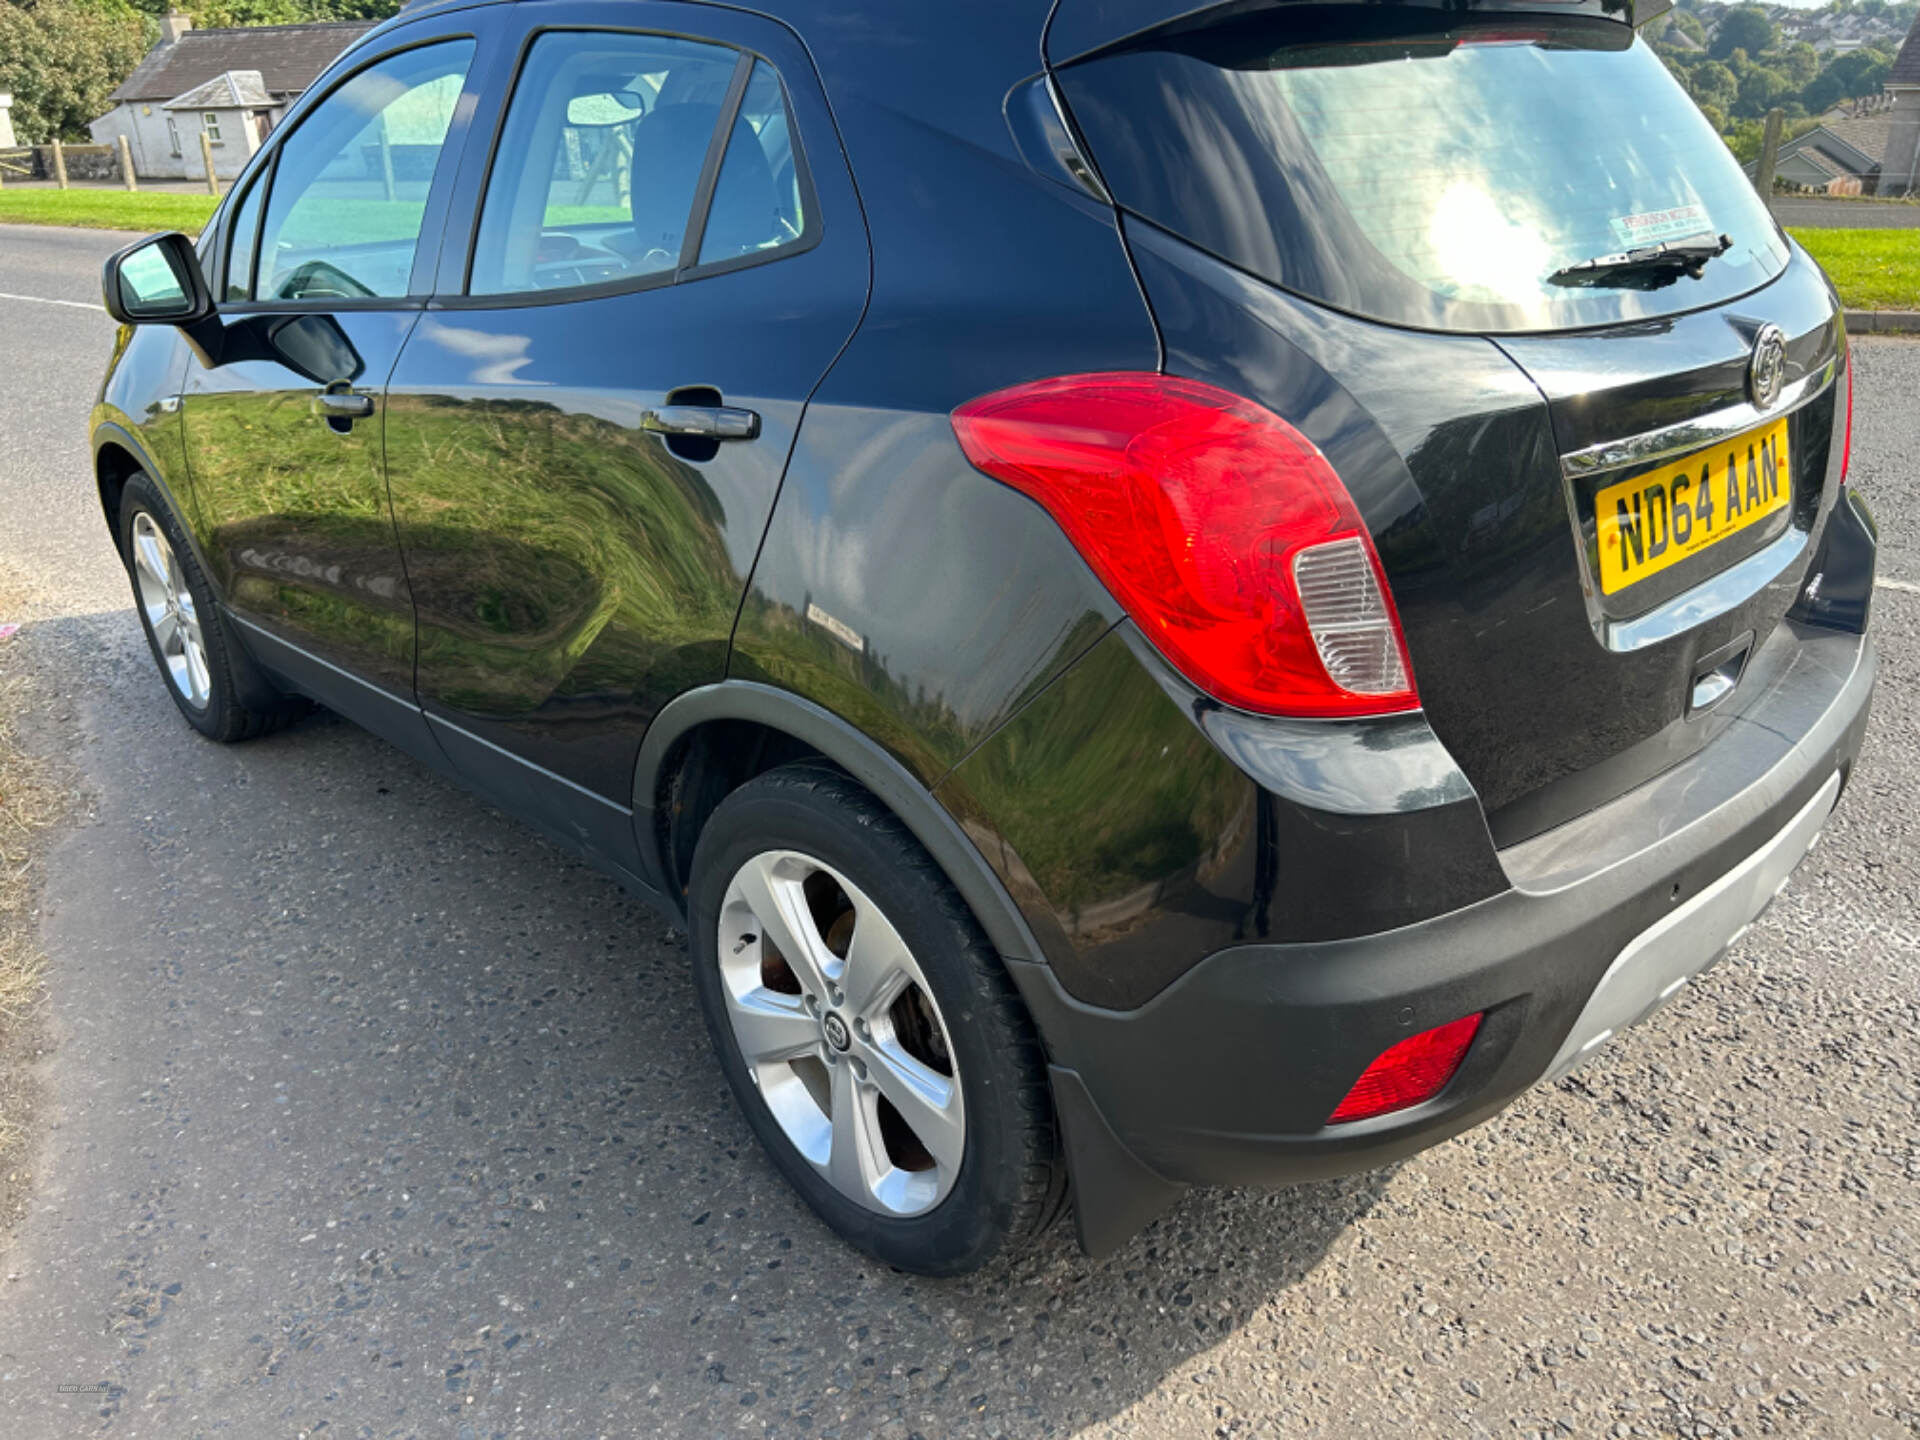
x,y
156,282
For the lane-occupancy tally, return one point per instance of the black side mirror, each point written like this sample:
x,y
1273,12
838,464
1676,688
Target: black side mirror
x,y
156,282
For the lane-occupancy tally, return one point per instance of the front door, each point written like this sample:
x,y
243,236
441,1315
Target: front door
x,y
283,405
587,429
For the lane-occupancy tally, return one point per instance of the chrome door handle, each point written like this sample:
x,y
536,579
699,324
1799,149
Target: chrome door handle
x,y
342,405
713,422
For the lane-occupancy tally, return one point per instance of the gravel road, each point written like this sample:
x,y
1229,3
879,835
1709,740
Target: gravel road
x,y
368,1114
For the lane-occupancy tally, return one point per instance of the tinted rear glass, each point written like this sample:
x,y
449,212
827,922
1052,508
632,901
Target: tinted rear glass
x,y
1424,169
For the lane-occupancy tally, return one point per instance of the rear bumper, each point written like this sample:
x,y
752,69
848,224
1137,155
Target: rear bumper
x,y
1227,1076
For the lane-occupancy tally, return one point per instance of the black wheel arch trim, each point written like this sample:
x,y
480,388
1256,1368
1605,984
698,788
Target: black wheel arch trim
x,y
254,688
112,432
866,761
1114,1194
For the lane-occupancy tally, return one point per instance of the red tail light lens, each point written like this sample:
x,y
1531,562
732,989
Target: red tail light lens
x,y
1416,1069
1221,529
1846,445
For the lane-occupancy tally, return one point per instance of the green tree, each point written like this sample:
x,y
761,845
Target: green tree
x,y
1714,84
1747,28
1761,88
1689,24
62,58
1801,62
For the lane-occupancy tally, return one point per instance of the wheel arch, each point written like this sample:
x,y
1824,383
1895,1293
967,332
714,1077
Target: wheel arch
x,y
117,457
787,727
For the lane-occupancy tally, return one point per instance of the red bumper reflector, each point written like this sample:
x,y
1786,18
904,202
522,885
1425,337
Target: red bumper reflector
x,y
1416,1069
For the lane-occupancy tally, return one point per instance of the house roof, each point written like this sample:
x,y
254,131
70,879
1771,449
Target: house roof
x,y
288,58
1864,133
1819,159
234,88
1906,65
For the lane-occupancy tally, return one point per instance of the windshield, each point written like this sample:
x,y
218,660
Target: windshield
x,y
1428,170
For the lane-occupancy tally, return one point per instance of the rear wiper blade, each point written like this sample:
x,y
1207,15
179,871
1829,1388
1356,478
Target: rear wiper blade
x,y
1646,268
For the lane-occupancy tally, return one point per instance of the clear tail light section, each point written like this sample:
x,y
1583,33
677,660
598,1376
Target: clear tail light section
x,y
1221,530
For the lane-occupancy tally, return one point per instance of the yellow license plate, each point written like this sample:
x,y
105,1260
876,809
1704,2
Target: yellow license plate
x,y
1660,518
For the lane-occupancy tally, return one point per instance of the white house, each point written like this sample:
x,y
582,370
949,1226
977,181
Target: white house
x,y
232,85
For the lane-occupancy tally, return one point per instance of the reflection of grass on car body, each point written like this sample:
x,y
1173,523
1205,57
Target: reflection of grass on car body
x,y
1049,778
553,552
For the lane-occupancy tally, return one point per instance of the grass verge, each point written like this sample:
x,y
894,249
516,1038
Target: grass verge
x,y
107,209
1872,269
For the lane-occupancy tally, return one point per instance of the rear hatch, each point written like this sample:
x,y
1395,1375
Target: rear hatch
x,y
1428,193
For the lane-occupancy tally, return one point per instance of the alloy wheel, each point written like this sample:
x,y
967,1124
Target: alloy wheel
x,y
171,613
840,1033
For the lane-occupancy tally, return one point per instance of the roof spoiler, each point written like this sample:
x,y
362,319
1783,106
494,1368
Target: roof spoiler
x,y
1080,27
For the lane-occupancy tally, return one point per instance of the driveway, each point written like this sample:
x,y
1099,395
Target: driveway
x,y
367,1113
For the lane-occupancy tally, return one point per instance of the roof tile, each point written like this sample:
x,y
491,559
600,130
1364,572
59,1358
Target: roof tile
x,y
288,58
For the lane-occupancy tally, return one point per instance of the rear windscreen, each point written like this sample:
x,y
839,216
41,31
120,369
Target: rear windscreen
x,y
1426,169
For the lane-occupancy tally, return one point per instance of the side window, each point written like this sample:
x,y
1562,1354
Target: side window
x,y
350,184
597,164
241,243
758,203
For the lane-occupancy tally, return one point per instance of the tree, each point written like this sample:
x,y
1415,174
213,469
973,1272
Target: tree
x,y
1747,28
1714,84
1689,24
62,58
1801,62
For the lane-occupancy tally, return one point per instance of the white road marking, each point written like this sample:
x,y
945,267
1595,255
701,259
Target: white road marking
x,y
1907,585
43,300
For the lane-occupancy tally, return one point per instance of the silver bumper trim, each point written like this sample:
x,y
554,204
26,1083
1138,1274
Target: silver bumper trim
x,y
1658,962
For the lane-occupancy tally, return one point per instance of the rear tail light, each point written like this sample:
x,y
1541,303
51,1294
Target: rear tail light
x,y
1846,445
1221,530
1416,1069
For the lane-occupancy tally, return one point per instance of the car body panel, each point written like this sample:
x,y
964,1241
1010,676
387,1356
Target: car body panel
x,y
138,408
572,572
898,587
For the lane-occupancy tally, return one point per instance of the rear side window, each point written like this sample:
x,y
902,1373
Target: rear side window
x,y
599,162
758,203
1426,169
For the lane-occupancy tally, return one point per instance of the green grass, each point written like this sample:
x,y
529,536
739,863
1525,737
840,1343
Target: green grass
x,y
107,209
1872,269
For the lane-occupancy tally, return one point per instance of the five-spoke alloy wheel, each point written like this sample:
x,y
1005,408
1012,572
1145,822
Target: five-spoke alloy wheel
x,y
840,1034
221,693
172,616
867,1027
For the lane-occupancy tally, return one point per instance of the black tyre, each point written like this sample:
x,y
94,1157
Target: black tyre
x,y
215,686
868,1029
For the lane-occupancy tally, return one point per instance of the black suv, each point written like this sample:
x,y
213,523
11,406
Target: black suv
x,y
1174,596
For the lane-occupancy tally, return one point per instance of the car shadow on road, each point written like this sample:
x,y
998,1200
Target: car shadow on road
x,y
532,1190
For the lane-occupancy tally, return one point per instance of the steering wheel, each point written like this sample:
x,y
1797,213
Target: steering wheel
x,y
319,280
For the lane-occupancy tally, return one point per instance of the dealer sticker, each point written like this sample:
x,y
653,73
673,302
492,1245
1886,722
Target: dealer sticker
x,y
1653,227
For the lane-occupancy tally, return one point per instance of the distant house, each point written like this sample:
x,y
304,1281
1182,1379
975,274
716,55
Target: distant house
x,y
1843,155
1900,163
231,85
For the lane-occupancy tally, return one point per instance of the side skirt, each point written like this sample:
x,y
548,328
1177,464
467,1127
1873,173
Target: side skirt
x,y
580,822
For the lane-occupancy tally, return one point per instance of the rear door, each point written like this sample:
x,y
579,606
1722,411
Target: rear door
x,y
658,254
1377,220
